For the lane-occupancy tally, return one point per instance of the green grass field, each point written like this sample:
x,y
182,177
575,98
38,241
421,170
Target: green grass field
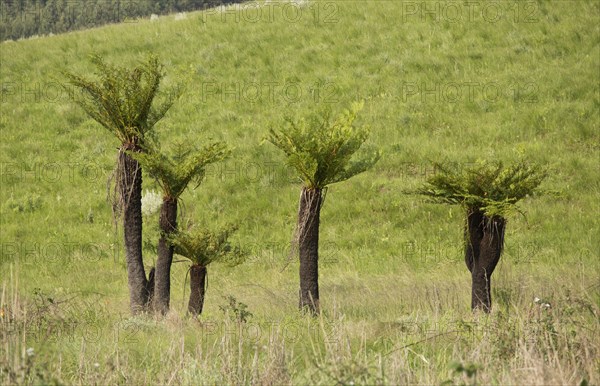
x,y
441,81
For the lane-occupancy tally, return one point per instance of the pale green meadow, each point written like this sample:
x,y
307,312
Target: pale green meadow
x,y
441,81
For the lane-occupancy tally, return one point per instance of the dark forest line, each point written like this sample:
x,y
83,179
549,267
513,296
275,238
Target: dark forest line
x,y
25,18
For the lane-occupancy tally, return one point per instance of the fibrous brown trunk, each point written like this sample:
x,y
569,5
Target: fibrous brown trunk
x,y
197,289
473,236
130,192
150,286
162,276
308,245
484,244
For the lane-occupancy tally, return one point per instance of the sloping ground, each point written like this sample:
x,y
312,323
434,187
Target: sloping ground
x,y
440,80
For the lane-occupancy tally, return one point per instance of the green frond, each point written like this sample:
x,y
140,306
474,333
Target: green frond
x,y
175,172
203,246
122,100
322,149
490,187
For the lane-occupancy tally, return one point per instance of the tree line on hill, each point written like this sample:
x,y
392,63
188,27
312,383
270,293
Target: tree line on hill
x,y
25,18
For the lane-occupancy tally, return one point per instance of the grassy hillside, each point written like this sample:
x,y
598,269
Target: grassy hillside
x,y
440,80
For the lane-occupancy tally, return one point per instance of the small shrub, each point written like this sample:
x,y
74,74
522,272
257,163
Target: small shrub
x,y
237,310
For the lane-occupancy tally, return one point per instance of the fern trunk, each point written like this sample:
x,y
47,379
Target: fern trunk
x,y
197,289
130,192
308,244
162,275
483,250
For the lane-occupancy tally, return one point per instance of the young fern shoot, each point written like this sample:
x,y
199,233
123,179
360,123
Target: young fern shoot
x,y
323,151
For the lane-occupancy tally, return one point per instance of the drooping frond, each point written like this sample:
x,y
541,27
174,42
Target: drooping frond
x,y
173,173
122,100
322,149
491,187
203,246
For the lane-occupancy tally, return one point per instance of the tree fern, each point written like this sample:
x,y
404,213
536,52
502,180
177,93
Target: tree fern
x,y
122,100
490,187
322,149
173,173
489,191
203,246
